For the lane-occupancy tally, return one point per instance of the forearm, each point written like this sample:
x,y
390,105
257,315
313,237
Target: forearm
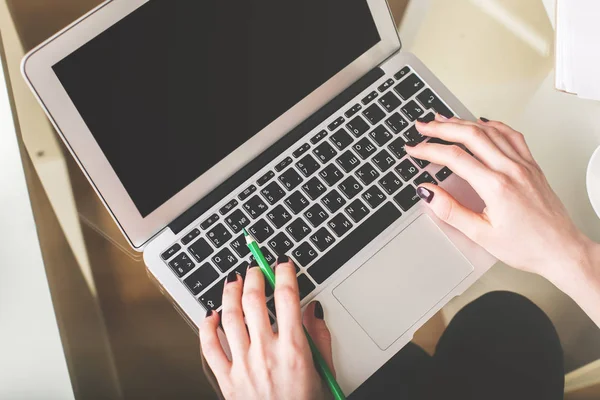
x,y
581,280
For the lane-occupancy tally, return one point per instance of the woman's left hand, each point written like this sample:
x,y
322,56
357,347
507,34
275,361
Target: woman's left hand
x,y
266,365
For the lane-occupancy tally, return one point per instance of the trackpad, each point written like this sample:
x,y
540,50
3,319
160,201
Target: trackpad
x,y
404,280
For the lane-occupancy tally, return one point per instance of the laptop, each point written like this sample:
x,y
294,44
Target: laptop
x,y
195,120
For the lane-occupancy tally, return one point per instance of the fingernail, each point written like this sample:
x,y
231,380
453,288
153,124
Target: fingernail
x,y
253,264
232,277
484,119
411,143
319,310
425,194
443,117
283,259
423,120
209,313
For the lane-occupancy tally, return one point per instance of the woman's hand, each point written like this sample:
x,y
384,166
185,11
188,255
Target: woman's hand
x,y
524,223
266,365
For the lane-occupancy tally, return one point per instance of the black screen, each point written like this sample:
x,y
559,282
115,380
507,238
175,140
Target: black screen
x,y
176,86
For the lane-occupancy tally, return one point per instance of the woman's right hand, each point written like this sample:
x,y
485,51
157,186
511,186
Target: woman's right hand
x,y
524,223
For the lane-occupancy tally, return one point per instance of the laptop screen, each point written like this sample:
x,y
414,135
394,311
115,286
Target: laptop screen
x,y
177,85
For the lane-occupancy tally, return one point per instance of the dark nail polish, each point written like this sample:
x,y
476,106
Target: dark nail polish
x,y
484,119
411,143
232,277
253,264
425,194
423,120
319,310
209,313
283,259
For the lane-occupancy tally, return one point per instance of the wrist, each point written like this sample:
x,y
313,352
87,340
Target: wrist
x,y
580,268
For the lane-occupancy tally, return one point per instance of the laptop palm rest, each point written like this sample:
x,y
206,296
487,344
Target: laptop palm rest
x,y
394,289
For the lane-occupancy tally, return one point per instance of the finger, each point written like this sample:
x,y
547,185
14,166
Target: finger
x,y
455,158
449,210
473,137
287,300
314,321
516,139
233,317
211,345
254,305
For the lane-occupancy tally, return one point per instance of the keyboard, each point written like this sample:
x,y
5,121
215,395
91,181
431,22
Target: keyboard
x,y
337,190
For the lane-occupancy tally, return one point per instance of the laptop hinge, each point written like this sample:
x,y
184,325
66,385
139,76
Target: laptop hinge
x,y
235,181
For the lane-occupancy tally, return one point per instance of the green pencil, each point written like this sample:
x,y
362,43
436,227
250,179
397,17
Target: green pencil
x,y
324,370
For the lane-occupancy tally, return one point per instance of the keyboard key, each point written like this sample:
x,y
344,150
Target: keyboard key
x,y
350,187
428,117
237,221
407,198
280,244
213,298
406,170
390,101
305,286
390,183
381,135
383,160
339,225
425,177
402,73
279,216
348,161
370,97
182,264
336,124
341,139
322,239
304,254
331,174
219,235
246,193
255,207
314,188
271,306
271,260
228,207
364,148
209,222
261,231
409,87
200,250
367,174
386,85
396,123
308,165
352,112
357,211
441,108
301,150
413,135
239,246
373,196
421,163
374,114
316,215
325,152
201,278
333,201
298,229
171,252
296,202
273,193
430,101
265,178
318,137
224,260
190,236
443,174
290,179
283,164
348,247
397,148
412,110
357,126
